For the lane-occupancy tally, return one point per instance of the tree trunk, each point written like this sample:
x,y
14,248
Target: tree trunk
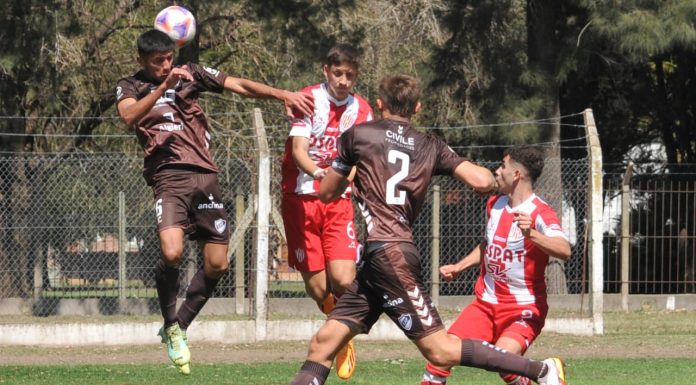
x,y
543,46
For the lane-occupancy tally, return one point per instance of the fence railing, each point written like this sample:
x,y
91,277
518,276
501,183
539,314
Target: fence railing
x,y
81,226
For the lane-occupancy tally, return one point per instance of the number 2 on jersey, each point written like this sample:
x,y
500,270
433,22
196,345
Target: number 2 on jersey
x,y
394,196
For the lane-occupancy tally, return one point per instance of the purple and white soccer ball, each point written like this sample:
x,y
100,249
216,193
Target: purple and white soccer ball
x,y
177,22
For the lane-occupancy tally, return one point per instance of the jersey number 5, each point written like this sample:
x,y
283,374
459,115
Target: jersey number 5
x,y
394,196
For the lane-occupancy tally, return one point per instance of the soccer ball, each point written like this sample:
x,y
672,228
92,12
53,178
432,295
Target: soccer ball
x,y
177,22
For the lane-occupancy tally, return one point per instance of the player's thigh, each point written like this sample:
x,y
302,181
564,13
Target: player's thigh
x,y
522,323
359,308
475,321
341,273
392,270
302,219
338,231
511,344
207,211
172,192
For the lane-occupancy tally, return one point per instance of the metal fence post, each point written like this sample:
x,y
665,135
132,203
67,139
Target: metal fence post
x,y
239,255
262,223
596,237
435,247
122,245
625,234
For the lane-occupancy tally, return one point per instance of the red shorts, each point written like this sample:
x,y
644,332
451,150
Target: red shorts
x,y
489,322
318,232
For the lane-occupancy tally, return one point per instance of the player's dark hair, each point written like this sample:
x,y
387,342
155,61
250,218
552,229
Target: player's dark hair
x,y
530,157
400,94
343,53
154,40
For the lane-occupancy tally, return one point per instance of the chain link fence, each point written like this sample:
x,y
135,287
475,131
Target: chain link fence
x,y
655,253
82,226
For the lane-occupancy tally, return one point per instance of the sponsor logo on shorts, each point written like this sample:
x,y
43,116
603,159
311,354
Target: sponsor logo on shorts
x,y
300,255
405,321
391,302
220,225
212,205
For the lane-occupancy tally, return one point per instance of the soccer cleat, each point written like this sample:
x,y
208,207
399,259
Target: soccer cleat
x,y
345,361
426,382
555,375
177,347
520,380
329,304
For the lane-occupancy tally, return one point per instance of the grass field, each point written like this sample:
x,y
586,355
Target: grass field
x,y
673,371
638,348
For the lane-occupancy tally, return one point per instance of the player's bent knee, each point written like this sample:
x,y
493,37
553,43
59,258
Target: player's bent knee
x,y
172,255
220,268
437,358
342,283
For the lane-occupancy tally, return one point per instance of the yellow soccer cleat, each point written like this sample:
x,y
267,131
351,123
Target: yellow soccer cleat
x,y
345,361
177,347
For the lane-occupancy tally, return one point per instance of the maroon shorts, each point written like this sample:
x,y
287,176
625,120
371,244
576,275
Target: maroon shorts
x,y
489,322
191,201
318,232
389,281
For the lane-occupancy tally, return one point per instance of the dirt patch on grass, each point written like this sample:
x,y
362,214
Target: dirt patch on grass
x,y
547,345
627,335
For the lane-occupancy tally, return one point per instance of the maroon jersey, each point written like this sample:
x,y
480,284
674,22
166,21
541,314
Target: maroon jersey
x,y
395,164
175,130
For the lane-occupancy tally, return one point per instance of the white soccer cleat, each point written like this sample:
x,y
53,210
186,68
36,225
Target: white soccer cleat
x,y
555,375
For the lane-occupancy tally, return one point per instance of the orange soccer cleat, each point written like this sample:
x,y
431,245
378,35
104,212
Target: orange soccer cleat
x,y
345,361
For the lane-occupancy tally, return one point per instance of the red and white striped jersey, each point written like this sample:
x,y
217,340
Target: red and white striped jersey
x,y
331,118
512,268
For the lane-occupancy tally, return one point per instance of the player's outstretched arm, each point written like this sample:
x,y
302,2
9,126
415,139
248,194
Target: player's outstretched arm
x,y
300,154
299,101
480,179
332,185
131,110
473,259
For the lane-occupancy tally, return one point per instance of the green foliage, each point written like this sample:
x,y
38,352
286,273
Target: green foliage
x,y
483,61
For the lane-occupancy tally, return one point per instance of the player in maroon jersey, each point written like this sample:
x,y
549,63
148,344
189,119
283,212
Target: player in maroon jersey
x,y
521,232
394,165
161,102
321,236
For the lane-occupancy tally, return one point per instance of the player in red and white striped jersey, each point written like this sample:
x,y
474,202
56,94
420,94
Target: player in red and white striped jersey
x,y
321,237
522,231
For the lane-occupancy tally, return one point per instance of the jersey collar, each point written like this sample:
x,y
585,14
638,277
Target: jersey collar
x,y
336,102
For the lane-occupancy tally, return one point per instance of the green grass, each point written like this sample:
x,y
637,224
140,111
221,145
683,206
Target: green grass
x,y
386,372
637,348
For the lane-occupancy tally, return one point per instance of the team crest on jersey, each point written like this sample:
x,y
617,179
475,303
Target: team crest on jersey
x,y
220,225
405,321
